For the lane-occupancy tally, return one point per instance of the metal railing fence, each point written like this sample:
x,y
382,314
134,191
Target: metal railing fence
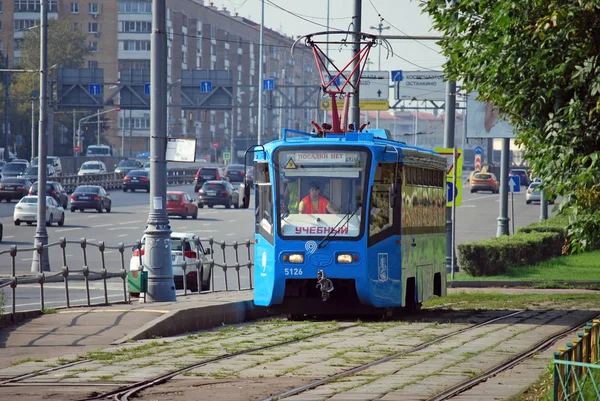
x,y
227,252
577,366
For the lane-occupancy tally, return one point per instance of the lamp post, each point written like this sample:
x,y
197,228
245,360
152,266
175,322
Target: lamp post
x,y
34,97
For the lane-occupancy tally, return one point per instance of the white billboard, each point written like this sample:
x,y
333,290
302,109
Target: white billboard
x,y
483,120
420,85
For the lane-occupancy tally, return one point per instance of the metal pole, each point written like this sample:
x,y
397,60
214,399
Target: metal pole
x,y
449,128
543,206
354,117
417,123
453,260
32,126
74,133
123,135
232,159
98,129
41,235
512,206
260,74
130,133
157,256
327,54
503,217
281,104
6,100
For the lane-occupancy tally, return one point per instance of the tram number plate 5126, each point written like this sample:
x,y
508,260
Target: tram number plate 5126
x,y
292,271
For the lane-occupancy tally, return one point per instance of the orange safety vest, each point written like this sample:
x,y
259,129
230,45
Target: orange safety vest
x,y
308,205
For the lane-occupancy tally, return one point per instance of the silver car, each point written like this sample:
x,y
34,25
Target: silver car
x,y
533,193
26,211
192,250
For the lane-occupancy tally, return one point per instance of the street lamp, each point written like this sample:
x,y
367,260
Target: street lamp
x,y
416,127
35,95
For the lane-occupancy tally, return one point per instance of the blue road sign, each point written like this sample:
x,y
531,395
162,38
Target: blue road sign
x,y
268,84
206,86
95,89
397,76
451,191
478,150
514,183
146,88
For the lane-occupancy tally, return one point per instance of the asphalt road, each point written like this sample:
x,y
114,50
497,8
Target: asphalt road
x,y
476,219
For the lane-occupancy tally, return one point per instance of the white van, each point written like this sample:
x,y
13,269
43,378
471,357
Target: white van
x,y
53,161
99,150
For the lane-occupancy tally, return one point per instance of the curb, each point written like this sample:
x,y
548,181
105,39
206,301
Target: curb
x,y
13,319
513,284
196,318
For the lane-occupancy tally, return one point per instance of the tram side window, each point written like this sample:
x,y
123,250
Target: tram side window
x,y
381,215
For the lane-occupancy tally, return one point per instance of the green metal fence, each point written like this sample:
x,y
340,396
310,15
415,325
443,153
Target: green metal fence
x,y
577,367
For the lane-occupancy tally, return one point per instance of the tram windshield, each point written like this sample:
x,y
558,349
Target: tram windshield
x,y
321,191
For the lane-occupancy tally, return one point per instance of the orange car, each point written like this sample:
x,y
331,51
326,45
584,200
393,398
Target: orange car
x,y
484,182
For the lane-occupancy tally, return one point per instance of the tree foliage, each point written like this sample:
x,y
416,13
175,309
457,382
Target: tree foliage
x,y
538,61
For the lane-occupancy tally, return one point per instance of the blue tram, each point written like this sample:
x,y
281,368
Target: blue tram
x,y
350,223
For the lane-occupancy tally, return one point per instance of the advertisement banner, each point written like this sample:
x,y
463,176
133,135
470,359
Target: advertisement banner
x,y
483,120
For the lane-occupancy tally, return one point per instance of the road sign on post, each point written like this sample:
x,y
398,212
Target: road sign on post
x,y
453,192
268,84
478,150
215,145
94,89
477,162
397,75
147,88
206,86
514,183
226,156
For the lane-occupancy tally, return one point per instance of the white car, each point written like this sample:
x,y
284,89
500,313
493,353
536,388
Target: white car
x,y
146,166
26,211
191,252
92,167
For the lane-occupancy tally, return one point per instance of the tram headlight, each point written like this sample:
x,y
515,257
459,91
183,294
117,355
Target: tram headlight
x,y
296,258
344,258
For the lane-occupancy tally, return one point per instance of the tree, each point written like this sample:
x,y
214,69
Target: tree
x,y
538,62
67,47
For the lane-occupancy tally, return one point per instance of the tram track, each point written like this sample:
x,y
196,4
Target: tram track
x,y
127,392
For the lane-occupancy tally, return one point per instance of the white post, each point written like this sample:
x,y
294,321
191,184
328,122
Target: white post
x,y
417,123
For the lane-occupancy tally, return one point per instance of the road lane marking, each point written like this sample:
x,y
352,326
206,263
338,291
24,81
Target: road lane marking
x,y
232,221
123,228
103,225
479,198
122,235
9,236
467,206
27,259
131,222
68,229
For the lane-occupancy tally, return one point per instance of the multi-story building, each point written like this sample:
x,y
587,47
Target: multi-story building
x,y
199,37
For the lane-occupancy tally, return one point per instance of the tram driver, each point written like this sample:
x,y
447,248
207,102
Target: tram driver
x,y
315,203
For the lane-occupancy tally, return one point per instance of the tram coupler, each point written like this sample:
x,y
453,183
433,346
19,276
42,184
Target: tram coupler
x,y
324,284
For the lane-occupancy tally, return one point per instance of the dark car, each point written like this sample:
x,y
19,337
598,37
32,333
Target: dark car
x,y
125,166
90,197
14,188
31,173
136,179
55,190
235,172
218,193
208,173
13,169
523,176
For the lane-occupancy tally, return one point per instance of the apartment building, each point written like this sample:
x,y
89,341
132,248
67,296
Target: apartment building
x,y
200,36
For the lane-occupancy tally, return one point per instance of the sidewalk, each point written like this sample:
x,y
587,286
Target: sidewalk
x,y
78,330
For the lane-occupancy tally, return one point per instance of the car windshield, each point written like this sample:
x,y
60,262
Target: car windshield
x,y
92,150
176,244
29,199
137,173
13,181
90,166
483,176
237,167
31,170
87,188
173,197
208,172
213,187
14,167
128,163
535,185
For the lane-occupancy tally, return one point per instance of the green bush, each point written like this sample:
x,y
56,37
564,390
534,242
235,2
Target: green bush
x,y
496,255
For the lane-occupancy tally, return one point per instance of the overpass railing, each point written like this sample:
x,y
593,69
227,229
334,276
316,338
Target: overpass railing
x,y
230,267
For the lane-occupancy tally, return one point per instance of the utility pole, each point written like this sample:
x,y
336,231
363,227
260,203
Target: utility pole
x,y
281,104
380,28
41,234
261,72
503,217
50,116
98,130
449,127
157,256
130,133
34,96
354,115
6,100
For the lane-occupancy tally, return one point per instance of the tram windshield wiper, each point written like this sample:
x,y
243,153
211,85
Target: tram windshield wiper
x,y
345,219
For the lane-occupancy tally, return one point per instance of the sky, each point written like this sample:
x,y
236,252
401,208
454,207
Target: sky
x,y
404,17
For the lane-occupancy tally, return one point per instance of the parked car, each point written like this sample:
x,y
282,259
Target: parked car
x,y
14,188
31,173
218,193
91,197
191,251
523,175
127,165
235,172
484,182
533,193
92,167
136,179
13,169
55,190
146,166
208,173
53,161
181,204
26,211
